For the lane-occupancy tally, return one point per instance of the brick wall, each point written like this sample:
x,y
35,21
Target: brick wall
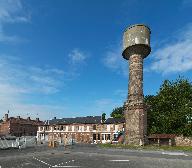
x,y
4,128
19,126
183,141
80,135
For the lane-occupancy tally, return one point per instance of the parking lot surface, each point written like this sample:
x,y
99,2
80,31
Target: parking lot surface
x,y
92,156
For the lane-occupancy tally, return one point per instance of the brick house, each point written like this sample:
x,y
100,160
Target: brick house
x,y
19,126
88,129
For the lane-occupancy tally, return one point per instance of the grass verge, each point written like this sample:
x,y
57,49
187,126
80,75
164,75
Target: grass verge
x,y
148,147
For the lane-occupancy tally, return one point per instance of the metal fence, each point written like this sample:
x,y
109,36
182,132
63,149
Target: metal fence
x,y
22,142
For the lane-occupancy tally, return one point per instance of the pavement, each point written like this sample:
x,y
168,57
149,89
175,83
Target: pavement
x,y
92,156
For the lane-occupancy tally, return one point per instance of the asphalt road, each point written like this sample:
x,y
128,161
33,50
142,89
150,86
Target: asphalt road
x,y
91,156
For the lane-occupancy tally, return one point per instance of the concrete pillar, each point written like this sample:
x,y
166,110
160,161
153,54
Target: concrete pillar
x,y
170,142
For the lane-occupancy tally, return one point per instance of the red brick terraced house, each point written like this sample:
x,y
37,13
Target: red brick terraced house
x,y
88,129
19,126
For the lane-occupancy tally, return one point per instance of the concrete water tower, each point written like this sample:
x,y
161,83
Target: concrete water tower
x,y
136,46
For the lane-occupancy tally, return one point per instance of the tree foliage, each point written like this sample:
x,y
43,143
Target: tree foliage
x,y
170,111
118,112
103,117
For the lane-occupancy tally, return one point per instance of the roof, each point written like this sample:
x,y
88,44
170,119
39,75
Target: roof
x,y
84,120
77,120
23,121
115,120
135,25
162,136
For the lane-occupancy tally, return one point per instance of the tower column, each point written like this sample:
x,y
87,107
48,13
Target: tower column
x,y
136,48
135,93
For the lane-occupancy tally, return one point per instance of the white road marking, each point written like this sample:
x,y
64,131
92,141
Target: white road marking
x,y
119,160
42,161
175,153
65,162
66,166
59,165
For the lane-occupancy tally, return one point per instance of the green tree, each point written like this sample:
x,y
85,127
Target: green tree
x,y
103,117
170,111
118,112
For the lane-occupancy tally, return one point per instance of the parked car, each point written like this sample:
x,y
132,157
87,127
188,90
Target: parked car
x,y
119,138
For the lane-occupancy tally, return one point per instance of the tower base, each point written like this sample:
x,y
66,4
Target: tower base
x,y
135,125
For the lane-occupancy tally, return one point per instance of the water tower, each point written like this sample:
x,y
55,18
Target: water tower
x,y
136,47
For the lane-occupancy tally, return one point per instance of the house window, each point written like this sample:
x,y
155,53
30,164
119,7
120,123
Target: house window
x,y
103,136
47,128
85,128
61,128
108,136
98,136
41,128
94,136
115,136
77,128
69,128
94,127
64,128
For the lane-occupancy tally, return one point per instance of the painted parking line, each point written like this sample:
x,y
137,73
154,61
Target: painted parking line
x,y
64,162
42,161
60,164
119,160
66,166
175,153
57,165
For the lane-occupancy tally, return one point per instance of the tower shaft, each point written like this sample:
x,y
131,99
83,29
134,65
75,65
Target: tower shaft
x,y
135,114
135,91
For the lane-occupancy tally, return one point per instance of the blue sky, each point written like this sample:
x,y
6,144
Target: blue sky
x,y
63,57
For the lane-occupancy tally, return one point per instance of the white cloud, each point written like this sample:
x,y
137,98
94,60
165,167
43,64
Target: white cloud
x,y
18,82
114,61
21,83
11,11
29,78
77,56
175,56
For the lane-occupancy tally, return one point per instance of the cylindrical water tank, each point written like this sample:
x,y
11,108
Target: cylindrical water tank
x,y
136,40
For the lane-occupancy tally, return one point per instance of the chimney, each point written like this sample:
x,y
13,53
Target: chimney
x,y
28,118
6,117
18,117
37,119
